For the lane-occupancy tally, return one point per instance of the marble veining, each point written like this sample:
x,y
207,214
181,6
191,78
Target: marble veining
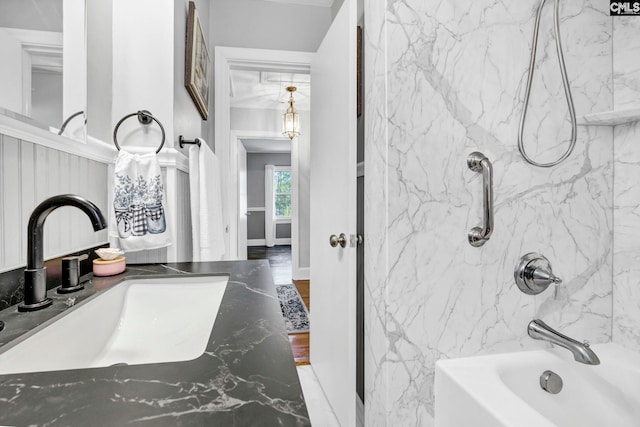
x,y
626,67
231,384
626,207
445,79
626,273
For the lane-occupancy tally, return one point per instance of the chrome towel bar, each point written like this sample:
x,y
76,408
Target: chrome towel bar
x,y
478,162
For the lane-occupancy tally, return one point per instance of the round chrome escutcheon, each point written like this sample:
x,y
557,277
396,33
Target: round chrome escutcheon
x,y
551,382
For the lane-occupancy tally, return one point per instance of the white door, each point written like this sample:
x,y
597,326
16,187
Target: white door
x,y
333,211
242,201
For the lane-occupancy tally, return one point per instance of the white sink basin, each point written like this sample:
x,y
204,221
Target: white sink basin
x,y
503,390
138,321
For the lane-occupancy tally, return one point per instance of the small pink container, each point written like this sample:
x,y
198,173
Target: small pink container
x,y
109,268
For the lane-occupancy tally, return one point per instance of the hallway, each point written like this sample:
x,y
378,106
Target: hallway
x,y
280,263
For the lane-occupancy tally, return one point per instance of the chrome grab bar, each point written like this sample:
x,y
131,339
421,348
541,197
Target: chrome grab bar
x,y
478,162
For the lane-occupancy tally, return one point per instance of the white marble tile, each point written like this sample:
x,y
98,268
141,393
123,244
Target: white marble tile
x,y
619,116
445,79
626,273
626,65
376,199
320,412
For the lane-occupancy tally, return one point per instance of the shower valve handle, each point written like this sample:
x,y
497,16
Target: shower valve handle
x,y
533,274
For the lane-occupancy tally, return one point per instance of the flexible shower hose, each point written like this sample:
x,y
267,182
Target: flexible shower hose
x,y
565,83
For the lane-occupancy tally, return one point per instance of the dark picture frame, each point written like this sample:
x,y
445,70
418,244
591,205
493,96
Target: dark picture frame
x,y
197,66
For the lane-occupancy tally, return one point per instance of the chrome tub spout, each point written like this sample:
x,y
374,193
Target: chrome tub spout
x,y
538,330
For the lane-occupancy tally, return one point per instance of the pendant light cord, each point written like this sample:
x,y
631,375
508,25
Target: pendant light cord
x,y
565,83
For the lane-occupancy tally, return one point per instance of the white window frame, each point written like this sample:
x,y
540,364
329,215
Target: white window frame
x,y
280,219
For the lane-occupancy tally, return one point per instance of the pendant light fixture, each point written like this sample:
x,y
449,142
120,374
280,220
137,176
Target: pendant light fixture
x,y
291,119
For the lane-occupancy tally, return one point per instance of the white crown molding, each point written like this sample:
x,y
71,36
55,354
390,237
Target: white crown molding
x,y
315,3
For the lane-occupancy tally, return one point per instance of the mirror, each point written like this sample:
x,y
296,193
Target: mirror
x,y
43,73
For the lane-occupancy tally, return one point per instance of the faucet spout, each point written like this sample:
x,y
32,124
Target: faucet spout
x,y
582,353
35,275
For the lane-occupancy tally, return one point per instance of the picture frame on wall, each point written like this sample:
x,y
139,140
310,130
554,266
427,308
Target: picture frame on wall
x,y
198,68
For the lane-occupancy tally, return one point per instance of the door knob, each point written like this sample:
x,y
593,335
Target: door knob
x,y
335,240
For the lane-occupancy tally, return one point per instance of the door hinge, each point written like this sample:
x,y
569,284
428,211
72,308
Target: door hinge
x,y
355,239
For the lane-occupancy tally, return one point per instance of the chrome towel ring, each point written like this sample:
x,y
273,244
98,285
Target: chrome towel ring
x,y
145,118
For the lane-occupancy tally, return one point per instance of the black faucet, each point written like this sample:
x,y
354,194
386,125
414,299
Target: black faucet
x,y
35,275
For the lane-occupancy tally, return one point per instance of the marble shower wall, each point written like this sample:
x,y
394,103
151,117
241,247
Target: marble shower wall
x,y
626,66
444,79
626,206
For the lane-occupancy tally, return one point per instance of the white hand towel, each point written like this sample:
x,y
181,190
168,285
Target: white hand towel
x,y
206,204
138,215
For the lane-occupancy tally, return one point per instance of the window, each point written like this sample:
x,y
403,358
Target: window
x,y
282,192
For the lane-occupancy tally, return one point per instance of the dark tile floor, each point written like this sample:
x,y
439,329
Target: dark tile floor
x,y
279,260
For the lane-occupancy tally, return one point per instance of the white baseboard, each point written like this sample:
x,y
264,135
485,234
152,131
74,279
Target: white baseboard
x,y
263,242
301,273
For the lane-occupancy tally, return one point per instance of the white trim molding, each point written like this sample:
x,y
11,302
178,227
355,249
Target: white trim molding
x,y
227,58
167,157
262,242
301,273
94,149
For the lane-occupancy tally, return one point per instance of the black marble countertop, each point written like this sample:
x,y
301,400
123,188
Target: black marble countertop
x,y
246,376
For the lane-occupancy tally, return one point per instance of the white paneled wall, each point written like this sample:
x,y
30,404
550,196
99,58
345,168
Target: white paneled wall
x,y
185,241
29,174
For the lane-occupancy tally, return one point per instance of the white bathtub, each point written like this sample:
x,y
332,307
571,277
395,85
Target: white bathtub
x,y
503,390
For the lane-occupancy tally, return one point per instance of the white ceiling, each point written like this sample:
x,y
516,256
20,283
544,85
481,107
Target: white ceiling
x,y
267,145
43,15
262,89
319,3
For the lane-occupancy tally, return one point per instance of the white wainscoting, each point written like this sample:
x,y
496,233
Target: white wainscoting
x,y
30,173
35,165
